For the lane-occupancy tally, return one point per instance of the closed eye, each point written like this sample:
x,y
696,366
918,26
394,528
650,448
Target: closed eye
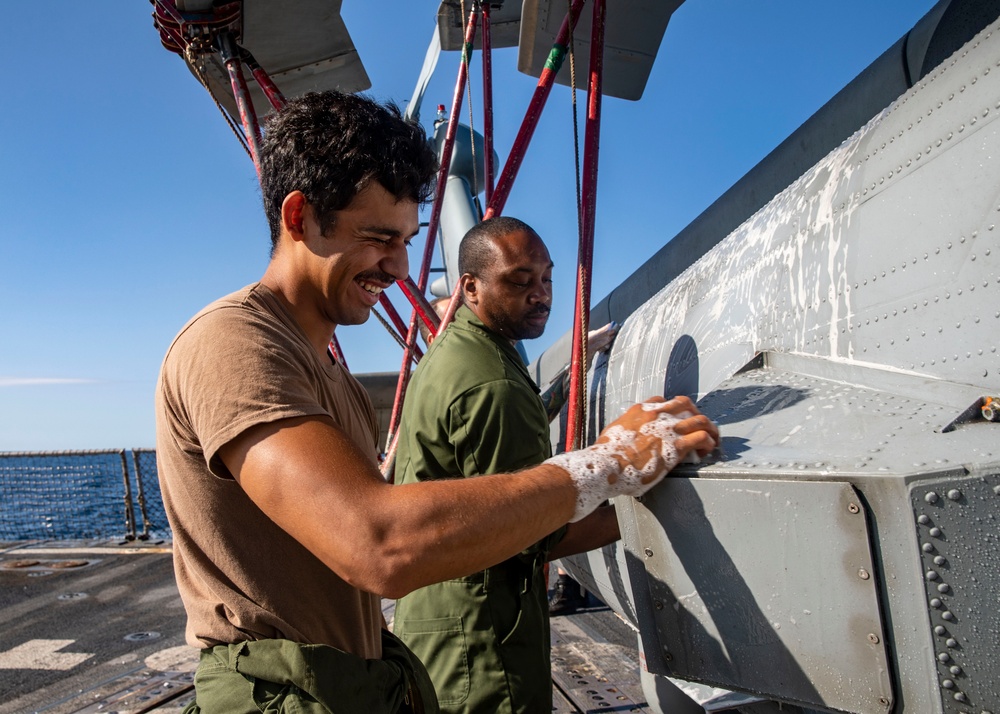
x,y
388,241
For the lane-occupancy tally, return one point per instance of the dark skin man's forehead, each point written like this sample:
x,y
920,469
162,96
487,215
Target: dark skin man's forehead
x,y
519,252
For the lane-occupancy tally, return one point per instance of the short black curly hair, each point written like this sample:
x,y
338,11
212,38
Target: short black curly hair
x,y
476,252
331,146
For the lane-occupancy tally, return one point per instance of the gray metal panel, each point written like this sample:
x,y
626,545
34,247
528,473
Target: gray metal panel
x,y
768,587
872,286
799,416
467,156
633,32
459,213
303,45
381,388
949,25
884,253
505,24
795,419
959,529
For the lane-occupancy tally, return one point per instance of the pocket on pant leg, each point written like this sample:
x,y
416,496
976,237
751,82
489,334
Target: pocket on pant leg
x,y
219,688
440,644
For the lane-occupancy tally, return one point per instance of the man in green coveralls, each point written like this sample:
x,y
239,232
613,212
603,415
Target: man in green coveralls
x,y
285,534
472,409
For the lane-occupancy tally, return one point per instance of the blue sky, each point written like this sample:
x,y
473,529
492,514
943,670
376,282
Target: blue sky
x,y
128,204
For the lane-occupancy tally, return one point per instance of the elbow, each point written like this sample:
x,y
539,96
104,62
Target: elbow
x,y
397,588
388,578
383,552
383,570
401,572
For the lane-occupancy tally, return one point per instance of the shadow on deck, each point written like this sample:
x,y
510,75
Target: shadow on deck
x,y
98,627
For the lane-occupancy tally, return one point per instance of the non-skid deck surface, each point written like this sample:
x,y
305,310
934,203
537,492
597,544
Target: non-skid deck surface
x,y
99,627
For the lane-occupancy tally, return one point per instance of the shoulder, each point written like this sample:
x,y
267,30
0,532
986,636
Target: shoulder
x,y
490,397
238,343
242,322
465,355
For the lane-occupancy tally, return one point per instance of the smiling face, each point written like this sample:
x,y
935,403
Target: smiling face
x,y
335,279
364,253
513,294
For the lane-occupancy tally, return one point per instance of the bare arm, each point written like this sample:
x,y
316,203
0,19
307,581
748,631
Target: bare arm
x,y
311,480
595,531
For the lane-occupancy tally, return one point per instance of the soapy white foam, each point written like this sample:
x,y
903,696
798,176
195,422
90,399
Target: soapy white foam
x,y
598,473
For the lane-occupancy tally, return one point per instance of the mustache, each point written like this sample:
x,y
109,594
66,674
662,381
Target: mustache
x,y
377,276
540,310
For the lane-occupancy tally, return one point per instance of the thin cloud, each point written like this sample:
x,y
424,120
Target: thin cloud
x,y
34,381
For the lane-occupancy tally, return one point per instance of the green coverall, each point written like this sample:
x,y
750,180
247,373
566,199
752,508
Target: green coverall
x,y
472,409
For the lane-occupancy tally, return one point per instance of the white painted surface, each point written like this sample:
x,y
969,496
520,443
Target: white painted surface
x,y
42,654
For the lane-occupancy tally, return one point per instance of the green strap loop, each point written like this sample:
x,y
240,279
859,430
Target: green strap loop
x,y
556,56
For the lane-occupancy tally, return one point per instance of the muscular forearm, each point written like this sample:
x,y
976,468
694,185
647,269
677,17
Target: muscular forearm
x,y
317,486
595,531
436,530
321,489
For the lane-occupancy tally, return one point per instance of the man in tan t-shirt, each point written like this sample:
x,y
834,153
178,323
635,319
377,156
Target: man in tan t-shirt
x,y
285,533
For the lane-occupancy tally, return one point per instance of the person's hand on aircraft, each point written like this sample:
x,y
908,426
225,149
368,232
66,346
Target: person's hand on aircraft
x,y
636,451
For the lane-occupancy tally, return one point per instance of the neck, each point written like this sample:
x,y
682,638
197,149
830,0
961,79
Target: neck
x,y
489,326
318,331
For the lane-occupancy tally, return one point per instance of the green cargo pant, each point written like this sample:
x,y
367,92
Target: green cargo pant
x,y
484,639
275,676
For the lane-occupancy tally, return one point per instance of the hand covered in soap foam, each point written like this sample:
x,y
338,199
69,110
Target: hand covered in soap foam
x,y
636,451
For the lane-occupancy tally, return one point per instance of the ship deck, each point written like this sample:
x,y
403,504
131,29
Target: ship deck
x,y
98,626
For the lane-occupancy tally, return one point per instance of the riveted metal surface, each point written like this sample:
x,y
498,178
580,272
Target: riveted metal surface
x,y
779,421
836,336
805,420
871,257
743,568
593,673
142,691
959,530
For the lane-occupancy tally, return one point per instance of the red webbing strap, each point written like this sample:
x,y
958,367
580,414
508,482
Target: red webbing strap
x,y
420,305
575,428
531,116
251,128
432,225
449,314
338,354
487,54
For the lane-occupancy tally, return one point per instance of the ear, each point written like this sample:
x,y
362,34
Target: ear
x,y
470,288
293,210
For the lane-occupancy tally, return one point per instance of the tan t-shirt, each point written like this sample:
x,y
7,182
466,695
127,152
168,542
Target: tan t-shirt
x,y
243,361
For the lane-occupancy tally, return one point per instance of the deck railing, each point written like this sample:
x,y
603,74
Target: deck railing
x,y
69,495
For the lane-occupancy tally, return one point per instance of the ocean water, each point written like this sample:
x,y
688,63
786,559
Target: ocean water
x,y
71,495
